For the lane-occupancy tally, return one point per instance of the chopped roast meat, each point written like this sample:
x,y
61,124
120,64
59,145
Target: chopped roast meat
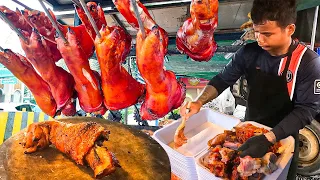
x,y
246,131
226,154
220,139
223,148
248,166
218,168
231,145
268,164
231,136
216,148
211,157
217,140
235,175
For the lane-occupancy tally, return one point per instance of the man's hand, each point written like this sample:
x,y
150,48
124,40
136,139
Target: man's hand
x,y
194,109
255,147
208,93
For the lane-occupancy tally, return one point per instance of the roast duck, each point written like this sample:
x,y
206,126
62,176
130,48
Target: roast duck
x,y
87,81
26,19
223,159
116,88
195,38
85,143
163,92
37,28
60,81
120,89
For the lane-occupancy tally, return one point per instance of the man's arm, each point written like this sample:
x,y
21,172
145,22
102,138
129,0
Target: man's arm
x,y
227,77
306,101
208,93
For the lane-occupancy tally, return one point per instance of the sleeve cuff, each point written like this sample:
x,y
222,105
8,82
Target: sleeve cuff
x,y
218,83
279,133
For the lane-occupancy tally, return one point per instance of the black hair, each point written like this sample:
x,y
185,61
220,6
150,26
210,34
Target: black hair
x,y
282,11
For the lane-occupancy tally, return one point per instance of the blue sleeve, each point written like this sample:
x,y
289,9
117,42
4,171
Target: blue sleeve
x,y
231,73
306,101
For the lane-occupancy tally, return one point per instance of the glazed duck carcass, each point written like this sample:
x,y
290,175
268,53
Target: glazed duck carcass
x,y
125,8
85,40
16,18
23,70
195,37
120,89
164,92
41,22
85,143
28,19
86,82
97,14
60,81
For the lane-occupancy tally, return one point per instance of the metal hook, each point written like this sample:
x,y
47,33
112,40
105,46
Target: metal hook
x,y
23,5
84,6
55,25
76,3
15,29
136,12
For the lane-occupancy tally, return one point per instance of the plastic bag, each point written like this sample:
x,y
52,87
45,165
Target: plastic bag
x,y
227,102
224,103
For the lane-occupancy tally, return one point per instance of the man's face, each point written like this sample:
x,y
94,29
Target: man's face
x,y
270,36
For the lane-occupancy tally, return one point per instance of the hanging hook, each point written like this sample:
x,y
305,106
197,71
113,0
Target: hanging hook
x,y
23,5
15,29
55,25
136,12
84,6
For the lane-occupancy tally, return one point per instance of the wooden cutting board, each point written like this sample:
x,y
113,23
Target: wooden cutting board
x,y
140,156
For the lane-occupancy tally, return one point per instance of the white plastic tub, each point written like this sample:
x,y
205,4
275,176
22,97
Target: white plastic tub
x,y
200,128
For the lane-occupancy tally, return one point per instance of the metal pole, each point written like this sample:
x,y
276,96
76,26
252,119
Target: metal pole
x,y
93,23
126,116
314,29
137,14
23,5
16,30
53,22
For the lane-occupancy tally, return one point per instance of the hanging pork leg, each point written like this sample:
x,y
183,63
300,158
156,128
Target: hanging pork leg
x,y
23,70
60,81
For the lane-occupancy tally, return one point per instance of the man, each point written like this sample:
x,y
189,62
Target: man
x,y
283,79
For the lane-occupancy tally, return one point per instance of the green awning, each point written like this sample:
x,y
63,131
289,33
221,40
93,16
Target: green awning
x,y
306,4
